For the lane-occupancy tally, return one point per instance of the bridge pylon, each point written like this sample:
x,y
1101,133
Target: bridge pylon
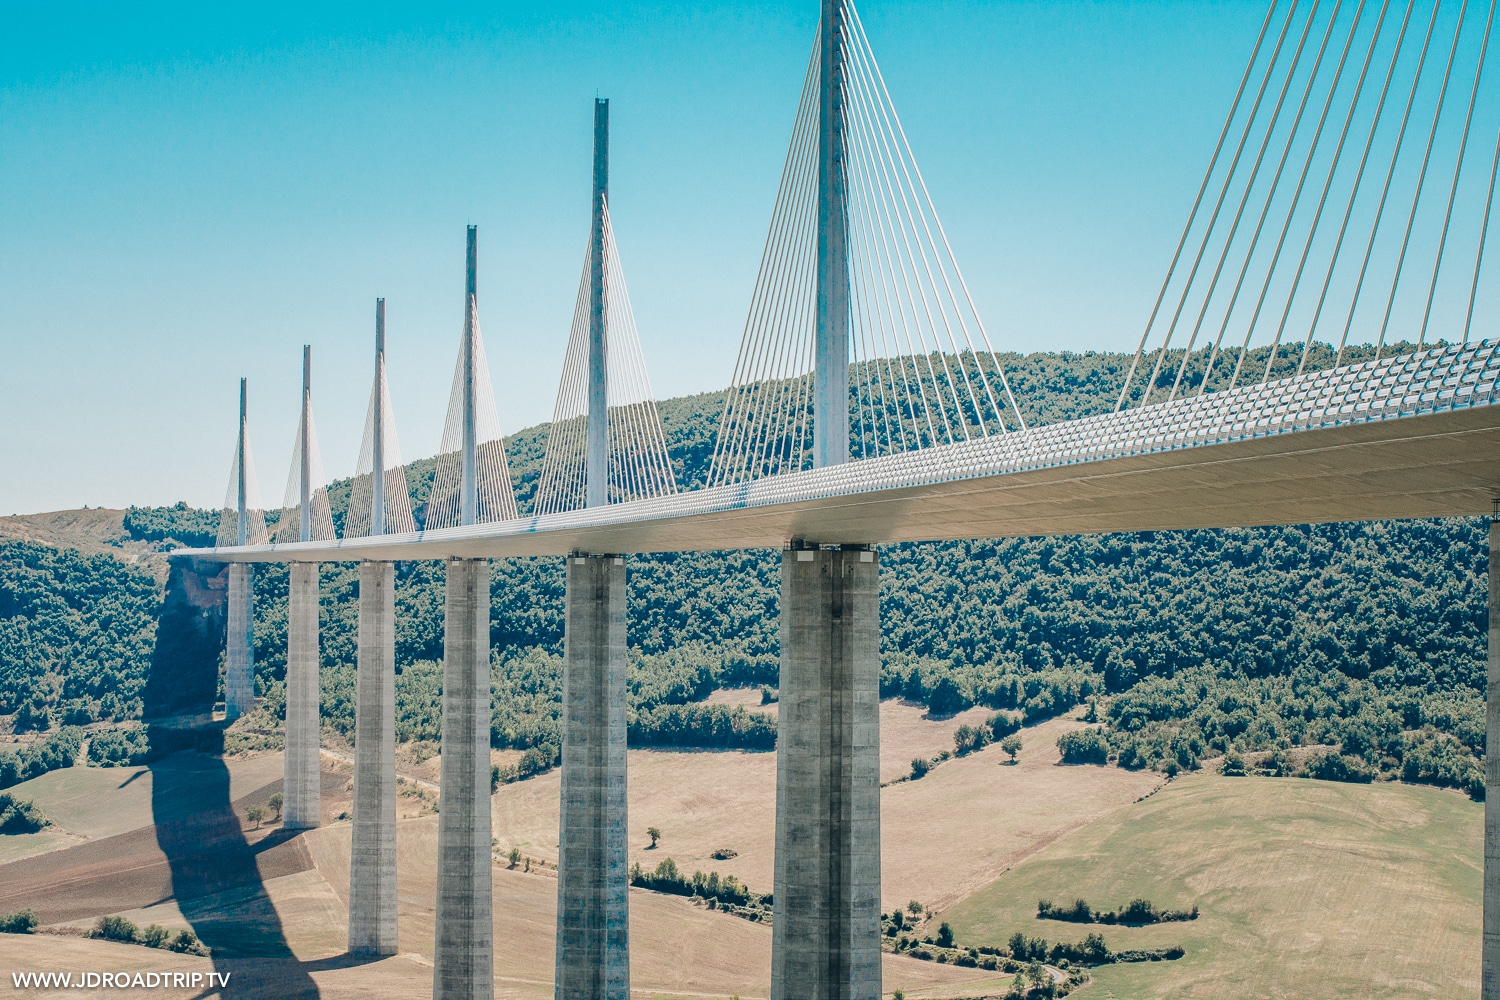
x,y
464,946
379,504
1490,954
305,517
241,522
593,910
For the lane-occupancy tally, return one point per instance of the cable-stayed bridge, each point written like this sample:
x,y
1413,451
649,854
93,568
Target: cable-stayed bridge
x,y
1346,201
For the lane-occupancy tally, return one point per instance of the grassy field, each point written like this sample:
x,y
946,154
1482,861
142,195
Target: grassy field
x,y
1308,889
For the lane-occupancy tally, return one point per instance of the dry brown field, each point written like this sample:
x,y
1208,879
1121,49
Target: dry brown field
x,y
296,897
1309,890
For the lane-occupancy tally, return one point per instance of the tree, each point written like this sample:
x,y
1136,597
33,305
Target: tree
x,y
1037,974
915,908
655,835
116,929
1084,746
18,923
1011,745
275,803
919,767
255,814
944,936
514,857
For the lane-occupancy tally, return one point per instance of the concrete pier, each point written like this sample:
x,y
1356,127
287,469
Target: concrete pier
x,y
825,942
593,917
372,862
239,644
302,806
464,951
1489,988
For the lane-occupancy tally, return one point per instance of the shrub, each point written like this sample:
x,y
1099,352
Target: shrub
x,y
54,751
1083,746
1025,949
1233,766
1078,912
946,698
967,739
20,817
1090,951
1338,767
1150,955
10,768
116,929
18,923
919,767
155,936
944,936
1001,725
187,943
119,747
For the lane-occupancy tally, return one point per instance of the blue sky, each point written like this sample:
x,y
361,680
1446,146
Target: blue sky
x,y
190,193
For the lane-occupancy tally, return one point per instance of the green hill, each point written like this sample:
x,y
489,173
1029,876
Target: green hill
x,y
1369,637
1306,889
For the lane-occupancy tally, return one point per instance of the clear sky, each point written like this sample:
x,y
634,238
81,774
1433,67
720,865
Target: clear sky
x,y
189,193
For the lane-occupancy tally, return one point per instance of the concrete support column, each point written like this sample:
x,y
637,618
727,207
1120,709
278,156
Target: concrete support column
x,y
825,942
1489,988
302,805
464,952
593,916
372,862
239,645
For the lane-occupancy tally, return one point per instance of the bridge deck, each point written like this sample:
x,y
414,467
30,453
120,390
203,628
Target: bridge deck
x,y
1411,436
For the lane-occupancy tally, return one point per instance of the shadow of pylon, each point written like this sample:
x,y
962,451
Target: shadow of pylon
x,y
216,881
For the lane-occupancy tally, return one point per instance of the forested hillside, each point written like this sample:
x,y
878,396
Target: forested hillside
x,y
1368,637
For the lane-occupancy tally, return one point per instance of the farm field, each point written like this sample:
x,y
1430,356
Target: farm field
x,y
298,907
941,837
1308,890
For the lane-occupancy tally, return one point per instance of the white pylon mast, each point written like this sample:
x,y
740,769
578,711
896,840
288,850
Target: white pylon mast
x,y
831,373
241,533
305,473
377,470
596,455
468,489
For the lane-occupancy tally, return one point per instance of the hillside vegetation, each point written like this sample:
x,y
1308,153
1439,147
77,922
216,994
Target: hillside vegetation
x,y
1368,638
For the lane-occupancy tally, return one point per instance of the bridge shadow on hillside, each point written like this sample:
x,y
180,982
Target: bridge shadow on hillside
x,y
217,874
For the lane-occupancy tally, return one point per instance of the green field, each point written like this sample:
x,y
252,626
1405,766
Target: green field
x,y
1308,890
